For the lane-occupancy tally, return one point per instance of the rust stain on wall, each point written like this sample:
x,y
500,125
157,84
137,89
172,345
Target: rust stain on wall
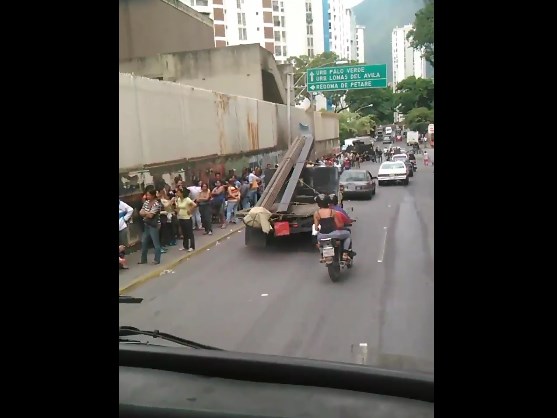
x,y
253,140
222,105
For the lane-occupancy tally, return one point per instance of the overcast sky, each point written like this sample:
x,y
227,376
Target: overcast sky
x,y
380,17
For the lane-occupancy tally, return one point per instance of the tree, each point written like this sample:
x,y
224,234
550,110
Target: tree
x,y
302,63
422,36
418,119
414,92
382,100
353,124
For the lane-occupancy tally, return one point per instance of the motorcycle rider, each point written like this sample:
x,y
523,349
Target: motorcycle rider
x,y
325,218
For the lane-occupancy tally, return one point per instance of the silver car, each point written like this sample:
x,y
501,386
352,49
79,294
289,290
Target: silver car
x,y
358,183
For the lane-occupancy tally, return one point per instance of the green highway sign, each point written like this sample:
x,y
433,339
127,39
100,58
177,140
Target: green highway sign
x,y
350,77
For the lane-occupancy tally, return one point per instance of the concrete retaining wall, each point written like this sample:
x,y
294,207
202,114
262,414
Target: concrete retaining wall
x,y
162,123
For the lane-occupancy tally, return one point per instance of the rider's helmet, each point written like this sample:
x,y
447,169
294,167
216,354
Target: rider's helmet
x,y
333,199
322,200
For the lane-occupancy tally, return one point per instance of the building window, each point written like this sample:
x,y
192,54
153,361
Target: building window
x,y
239,4
277,50
308,7
275,7
310,42
283,37
283,21
285,51
309,30
276,36
310,53
242,34
241,19
276,21
201,2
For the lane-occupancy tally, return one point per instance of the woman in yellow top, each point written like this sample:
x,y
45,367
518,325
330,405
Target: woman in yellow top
x,y
185,206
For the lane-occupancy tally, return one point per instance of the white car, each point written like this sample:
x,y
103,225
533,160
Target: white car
x,y
392,171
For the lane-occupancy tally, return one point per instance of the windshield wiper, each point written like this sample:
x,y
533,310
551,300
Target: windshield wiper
x,y
129,299
128,331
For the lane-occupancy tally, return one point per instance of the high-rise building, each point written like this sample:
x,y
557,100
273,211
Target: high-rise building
x,y
284,27
406,61
360,43
340,29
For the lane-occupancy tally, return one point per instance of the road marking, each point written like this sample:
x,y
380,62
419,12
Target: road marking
x,y
264,294
389,206
383,248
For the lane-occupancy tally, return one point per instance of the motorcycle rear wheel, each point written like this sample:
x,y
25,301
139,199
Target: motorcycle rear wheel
x,y
334,272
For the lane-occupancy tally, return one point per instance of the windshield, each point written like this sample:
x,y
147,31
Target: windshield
x,y
218,182
354,176
399,158
392,166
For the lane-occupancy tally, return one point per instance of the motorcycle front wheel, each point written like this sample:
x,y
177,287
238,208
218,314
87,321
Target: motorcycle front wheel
x,y
334,272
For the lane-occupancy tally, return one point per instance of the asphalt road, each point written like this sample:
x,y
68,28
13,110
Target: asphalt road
x,y
281,300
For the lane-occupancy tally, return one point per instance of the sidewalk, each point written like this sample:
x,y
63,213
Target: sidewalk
x,y
140,273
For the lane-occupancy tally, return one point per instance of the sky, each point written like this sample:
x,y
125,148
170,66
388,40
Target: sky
x,y
380,17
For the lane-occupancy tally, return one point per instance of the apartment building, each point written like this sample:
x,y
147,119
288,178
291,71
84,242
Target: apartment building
x,y
286,27
360,43
406,61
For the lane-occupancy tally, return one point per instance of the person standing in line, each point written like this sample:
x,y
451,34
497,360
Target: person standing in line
x,y
185,207
150,213
203,203
125,212
195,190
124,215
233,198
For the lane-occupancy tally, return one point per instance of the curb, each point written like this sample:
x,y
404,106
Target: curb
x,y
156,273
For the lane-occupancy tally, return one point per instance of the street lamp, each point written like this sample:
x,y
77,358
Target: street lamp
x,y
363,107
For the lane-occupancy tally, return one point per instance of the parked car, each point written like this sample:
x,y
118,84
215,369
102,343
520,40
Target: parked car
x,y
387,140
358,183
393,171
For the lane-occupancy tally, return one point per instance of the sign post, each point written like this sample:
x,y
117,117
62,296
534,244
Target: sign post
x,y
350,77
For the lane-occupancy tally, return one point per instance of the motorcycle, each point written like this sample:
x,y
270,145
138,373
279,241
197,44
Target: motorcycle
x,y
414,164
331,252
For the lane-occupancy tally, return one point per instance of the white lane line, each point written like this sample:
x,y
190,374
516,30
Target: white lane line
x,y
383,248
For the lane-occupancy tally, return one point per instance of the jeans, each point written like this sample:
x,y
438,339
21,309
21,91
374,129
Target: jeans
x,y
245,203
150,232
231,208
252,196
123,237
196,219
206,214
341,234
187,233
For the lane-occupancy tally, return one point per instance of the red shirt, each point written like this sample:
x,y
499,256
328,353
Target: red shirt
x,y
342,218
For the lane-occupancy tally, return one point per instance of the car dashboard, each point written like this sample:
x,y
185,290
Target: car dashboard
x,y
169,382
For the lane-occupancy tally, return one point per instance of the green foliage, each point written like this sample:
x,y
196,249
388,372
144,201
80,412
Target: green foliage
x,y
413,93
419,119
303,62
381,99
422,35
354,124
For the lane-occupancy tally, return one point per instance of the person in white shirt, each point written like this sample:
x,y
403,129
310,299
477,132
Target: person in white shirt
x,y
195,190
253,180
124,214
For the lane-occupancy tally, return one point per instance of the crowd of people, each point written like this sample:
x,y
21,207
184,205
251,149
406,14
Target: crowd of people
x,y
172,213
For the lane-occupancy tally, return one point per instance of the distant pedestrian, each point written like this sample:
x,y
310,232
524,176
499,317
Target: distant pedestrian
x,y
425,158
